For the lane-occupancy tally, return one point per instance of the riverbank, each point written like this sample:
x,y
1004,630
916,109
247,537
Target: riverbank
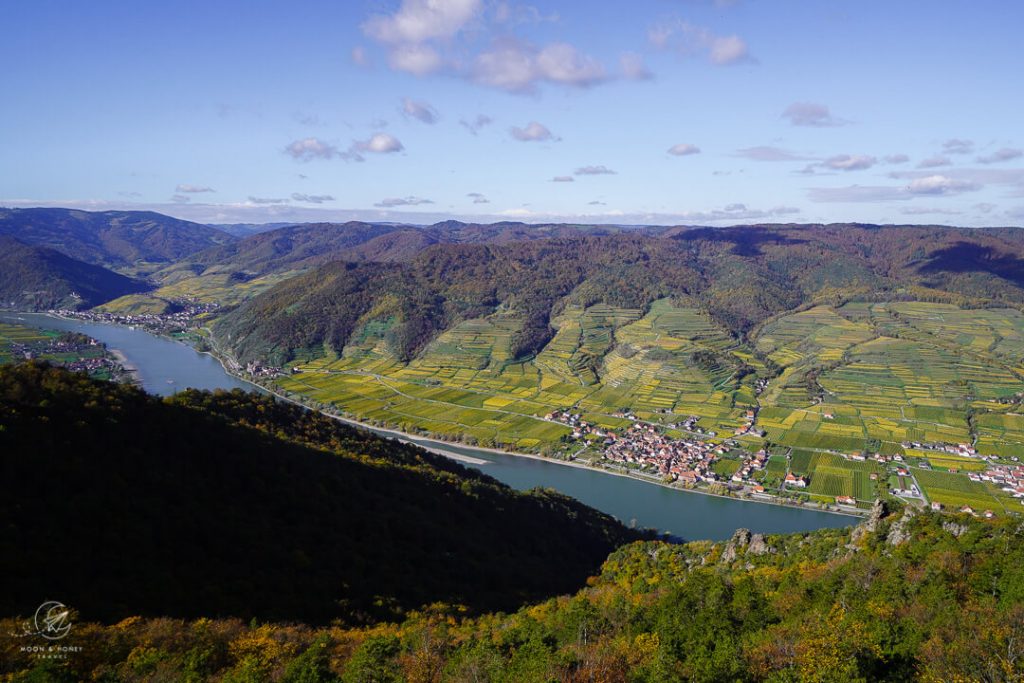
x,y
405,437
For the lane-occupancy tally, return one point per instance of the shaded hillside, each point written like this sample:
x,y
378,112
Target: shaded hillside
x,y
123,240
741,276
231,504
901,598
35,278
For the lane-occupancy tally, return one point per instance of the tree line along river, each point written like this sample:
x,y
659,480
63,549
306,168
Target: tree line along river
x,y
164,366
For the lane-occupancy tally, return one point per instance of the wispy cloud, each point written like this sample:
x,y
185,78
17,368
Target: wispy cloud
x,y
690,39
193,189
312,198
1004,154
958,146
477,123
683,149
767,153
421,111
180,199
309,149
633,68
478,198
402,201
594,170
533,132
811,115
937,161
563,179
267,200
932,185
897,159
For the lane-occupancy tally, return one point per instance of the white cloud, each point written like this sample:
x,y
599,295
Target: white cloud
x,y
594,170
811,115
311,148
563,179
518,68
683,149
478,198
267,200
940,185
728,50
421,111
416,59
689,39
184,187
848,162
378,143
402,201
418,21
312,198
897,159
926,211
180,199
533,132
476,124
934,162
1004,154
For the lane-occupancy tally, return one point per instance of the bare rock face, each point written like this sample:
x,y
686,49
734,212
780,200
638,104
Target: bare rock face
x,y
758,546
957,530
740,539
899,532
871,524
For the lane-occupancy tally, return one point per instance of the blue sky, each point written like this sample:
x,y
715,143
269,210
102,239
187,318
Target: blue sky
x,y
650,111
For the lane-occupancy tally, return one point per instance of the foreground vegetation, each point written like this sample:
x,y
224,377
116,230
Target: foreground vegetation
x,y
902,597
232,504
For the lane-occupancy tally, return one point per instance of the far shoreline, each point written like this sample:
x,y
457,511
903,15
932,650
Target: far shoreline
x,y
439,449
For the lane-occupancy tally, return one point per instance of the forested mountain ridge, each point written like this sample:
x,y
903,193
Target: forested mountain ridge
x,y
39,278
904,596
741,276
133,242
233,504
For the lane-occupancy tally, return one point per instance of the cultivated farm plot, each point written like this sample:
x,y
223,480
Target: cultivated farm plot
x,y
955,491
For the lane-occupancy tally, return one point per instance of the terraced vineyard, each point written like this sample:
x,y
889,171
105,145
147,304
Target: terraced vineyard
x,y
863,377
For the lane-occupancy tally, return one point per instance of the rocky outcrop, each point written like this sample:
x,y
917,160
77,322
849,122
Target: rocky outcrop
x,y
871,524
740,540
957,530
759,546
899,532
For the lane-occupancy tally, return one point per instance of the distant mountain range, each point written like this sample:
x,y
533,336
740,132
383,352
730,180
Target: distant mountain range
x,y
742,276
133,242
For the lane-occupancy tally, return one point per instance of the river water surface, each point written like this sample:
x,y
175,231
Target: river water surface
x,y
164,366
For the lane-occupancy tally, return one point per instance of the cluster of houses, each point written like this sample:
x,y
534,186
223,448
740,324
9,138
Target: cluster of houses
x,y
258,370
66,345
185,311
961,449
1010,478
749,424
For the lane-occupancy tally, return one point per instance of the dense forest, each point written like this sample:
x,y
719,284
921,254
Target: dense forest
x,y
741,276
902,597
230,504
